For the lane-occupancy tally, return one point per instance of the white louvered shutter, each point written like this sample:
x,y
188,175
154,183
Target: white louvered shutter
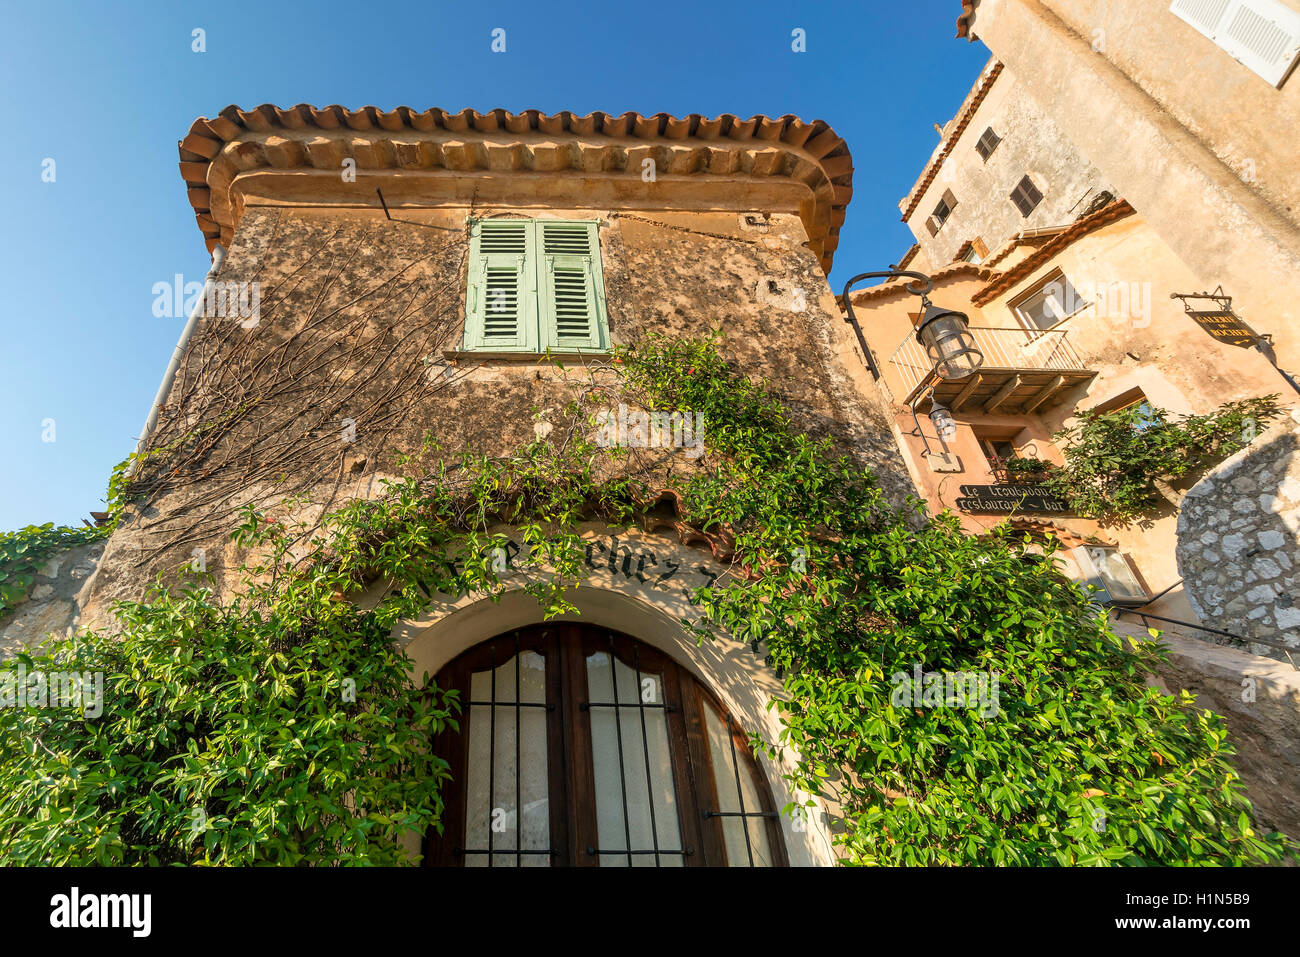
x,y
1262,35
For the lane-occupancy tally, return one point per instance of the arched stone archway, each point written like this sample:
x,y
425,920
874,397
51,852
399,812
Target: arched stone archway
x,y
648,601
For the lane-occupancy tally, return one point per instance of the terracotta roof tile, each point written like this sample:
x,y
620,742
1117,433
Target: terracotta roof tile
x,y
796,132
326,119
215,151
999,280
202,145
1003,251
895,286
769,129
223,128
194,173
1076,230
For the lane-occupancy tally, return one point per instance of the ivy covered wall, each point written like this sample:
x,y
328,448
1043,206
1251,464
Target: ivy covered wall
x,y
359,316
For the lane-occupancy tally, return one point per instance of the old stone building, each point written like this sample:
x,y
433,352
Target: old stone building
x,y
981,186
398,294
1106,284
1189,111
1074,319
1071,302
454,275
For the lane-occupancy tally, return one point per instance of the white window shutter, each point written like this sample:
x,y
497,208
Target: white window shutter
x,y
1204,15
1261,35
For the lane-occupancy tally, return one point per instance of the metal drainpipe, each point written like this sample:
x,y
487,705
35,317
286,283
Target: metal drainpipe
x,y
218,256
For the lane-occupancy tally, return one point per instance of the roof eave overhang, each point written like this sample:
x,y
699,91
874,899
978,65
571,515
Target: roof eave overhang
x,y
1006,279
951,273
295,156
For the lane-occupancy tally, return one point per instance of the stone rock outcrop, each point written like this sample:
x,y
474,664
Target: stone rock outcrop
x,y
1239,542
54,601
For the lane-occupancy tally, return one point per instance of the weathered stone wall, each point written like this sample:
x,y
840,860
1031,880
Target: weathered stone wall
x,y
362,319
1201,146
1259,700
1031,145
1234,112
1239,541
54,601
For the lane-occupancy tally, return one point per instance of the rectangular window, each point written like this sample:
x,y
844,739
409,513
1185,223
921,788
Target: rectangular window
x,y
1135,402
1107,568
987,143
972,252
535,284
942,212
1047,304
1261,35
1144,414
996,450
1026,196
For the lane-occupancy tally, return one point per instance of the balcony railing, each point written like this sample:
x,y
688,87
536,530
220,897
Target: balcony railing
x,y
1010,356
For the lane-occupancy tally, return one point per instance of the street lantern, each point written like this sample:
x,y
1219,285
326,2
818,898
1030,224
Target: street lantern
x,y
943,333
945,426
947,340
945,336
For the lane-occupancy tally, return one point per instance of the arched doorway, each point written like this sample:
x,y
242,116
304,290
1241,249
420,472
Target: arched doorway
x,y
583,746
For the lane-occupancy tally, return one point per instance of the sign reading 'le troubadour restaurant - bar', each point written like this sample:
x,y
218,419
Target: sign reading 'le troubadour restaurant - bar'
x,y
1022,499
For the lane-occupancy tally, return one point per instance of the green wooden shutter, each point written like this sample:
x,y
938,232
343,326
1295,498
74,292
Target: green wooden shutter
x,y
502,290
572,286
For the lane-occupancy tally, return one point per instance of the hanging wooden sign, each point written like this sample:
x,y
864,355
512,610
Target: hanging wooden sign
x,y
1219,321
1224,325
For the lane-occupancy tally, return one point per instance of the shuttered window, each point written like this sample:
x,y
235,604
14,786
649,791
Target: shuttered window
x,y
501,292
941,212
1026,196
987,143
1262,35
535,285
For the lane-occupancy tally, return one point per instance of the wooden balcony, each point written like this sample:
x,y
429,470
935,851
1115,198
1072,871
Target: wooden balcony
x,y
1022,372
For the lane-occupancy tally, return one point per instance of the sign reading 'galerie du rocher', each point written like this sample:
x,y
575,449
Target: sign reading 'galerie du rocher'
x,y
1226,326
1021,499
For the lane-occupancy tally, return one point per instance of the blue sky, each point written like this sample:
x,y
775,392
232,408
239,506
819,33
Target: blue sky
x,y
106,90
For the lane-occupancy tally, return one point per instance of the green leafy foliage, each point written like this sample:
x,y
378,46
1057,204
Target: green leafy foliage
x,y
23,552
227,736
281,726
236,709
1021,464
1113,459
1082,764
